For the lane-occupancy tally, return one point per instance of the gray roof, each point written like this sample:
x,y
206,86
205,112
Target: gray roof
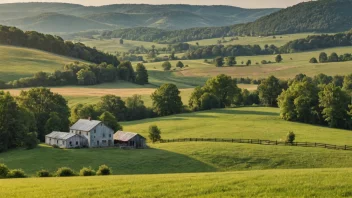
x,y
85,125
60,135
125,136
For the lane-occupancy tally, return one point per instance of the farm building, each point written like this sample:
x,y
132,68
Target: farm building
x,y
96,132
65,140
128,139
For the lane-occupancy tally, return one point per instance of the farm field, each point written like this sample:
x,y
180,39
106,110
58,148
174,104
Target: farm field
x,y
271,183
17,62
113,45
279,41
286,69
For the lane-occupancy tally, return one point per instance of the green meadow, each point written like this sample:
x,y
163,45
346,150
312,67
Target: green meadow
x,y
271,183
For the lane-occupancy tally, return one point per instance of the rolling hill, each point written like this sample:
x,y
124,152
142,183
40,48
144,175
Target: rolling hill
x,y
71,17
314,16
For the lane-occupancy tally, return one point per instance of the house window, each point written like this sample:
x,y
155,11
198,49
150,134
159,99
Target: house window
x,y
103,135
98,142
76,142
95,130
63,142
57,141
70,143
109,135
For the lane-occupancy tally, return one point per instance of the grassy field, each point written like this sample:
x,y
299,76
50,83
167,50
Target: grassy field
x,y
19,62
286,69
249,122
113,45
273,183
279,41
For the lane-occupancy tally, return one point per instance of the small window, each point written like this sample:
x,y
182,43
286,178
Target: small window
x,y
76,142
70,143
103,135
110,135
57,141
95,130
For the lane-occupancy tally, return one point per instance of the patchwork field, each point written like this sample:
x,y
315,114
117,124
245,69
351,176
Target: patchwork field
x,y
19,62
279,41
273,183
292,65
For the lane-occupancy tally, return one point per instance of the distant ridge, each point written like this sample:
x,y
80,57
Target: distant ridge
x,y
30,16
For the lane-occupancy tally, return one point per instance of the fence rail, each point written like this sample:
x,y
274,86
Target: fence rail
x,y
262,142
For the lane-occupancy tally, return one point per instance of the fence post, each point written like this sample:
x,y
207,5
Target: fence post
x,y
315,145
345,147
276,142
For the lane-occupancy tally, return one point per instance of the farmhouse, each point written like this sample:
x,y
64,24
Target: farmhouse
x,y
96,132
65,140
128,139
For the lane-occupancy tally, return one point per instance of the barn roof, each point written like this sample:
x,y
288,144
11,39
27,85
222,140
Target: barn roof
x,y
85,125
60,135
125,136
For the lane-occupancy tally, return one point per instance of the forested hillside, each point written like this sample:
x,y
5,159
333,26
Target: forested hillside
x,y
54,44
56,17
314,16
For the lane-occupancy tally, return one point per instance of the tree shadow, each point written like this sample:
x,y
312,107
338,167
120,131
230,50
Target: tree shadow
x,y
241,112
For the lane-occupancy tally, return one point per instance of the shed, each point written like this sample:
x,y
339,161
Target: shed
x,y
66,140
129,139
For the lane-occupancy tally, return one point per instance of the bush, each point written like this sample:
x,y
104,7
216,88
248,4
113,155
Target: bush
x,y
86,172
43,173
264,62
55,146
104,170
65,172
16,173
313,60
290,138
3,171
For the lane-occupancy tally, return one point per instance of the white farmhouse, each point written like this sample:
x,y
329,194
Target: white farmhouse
x,y
96,132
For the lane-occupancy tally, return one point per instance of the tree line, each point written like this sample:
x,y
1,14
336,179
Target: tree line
x,y
54,44
78,73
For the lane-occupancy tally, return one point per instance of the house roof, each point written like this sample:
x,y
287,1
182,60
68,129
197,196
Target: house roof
x,y
85,125
125,136
60,135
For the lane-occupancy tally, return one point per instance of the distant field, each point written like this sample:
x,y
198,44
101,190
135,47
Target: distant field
x,y
113,45
279,41
286,69
271,183
92,94
19,62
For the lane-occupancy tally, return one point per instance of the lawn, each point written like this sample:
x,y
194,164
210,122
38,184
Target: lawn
x,y
279,41
271,183
19,62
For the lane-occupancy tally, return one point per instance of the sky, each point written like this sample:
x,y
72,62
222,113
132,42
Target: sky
x,y
238,3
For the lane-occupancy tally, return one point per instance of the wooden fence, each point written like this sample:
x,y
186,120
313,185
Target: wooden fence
x,y
262,142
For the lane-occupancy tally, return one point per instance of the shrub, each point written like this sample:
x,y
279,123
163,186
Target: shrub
x,y
3,171
16,173
104,170
65,172
55,146
264,62
313,60
86,172
290,138
43,173
154,133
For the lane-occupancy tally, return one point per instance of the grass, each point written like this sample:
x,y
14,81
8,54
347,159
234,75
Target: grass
x,y
249,122
273,183
113,45
19,62
186,157
279,41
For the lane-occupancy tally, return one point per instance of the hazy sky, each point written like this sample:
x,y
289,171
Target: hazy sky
x,y
239,3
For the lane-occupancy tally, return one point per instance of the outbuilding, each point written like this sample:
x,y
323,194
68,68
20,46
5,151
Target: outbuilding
x,y
129,139
66,140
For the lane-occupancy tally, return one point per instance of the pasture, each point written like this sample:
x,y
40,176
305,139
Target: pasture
x,y
270,183
17,62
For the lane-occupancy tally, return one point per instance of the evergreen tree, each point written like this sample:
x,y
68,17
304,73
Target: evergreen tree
x,y
141,74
